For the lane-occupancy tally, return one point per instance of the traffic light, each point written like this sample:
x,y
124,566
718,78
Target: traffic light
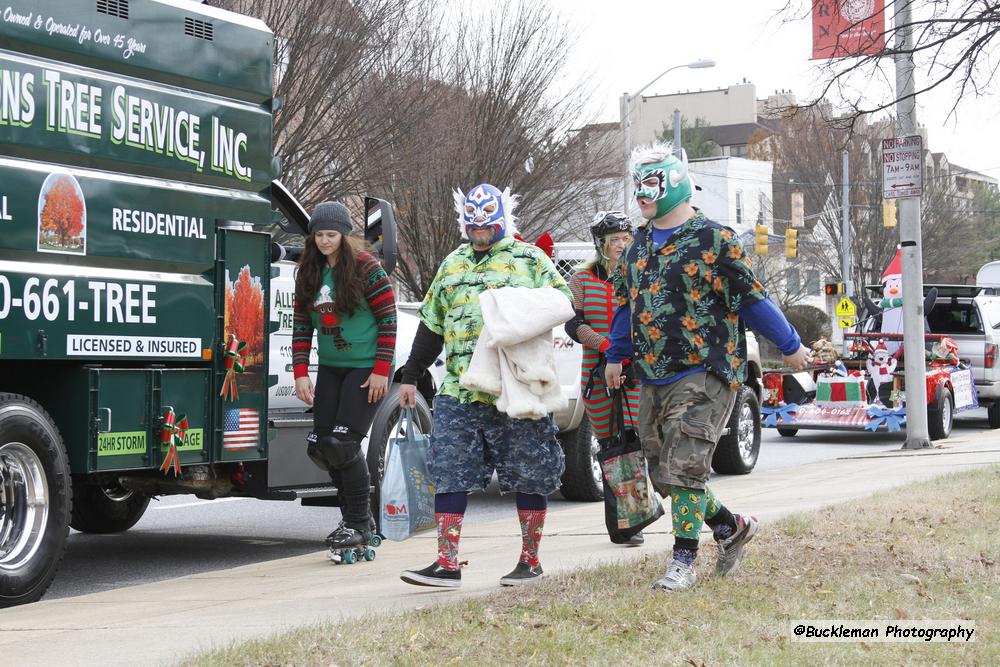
x,y
760,240
791,243
834,289
798,210
888,212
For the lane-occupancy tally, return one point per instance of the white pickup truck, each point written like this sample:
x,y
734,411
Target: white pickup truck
x,y
736,454
970,315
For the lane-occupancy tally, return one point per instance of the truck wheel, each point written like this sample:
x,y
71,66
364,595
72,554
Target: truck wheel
x,y
940,414
384,426
35,496
105,508
787,432
737,451
582,480
993,414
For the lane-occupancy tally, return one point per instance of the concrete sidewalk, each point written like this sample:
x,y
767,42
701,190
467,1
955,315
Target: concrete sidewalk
x,y
162,622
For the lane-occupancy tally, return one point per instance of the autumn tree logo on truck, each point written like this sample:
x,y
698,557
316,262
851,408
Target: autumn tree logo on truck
x,y
62,216
244,319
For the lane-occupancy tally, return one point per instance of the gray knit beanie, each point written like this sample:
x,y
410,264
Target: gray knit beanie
x,y
331,215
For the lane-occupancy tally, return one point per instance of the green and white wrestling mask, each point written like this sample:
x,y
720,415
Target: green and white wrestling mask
x,y
665,182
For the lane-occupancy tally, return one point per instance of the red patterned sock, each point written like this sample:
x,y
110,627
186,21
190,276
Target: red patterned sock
x,y
532,522
449,530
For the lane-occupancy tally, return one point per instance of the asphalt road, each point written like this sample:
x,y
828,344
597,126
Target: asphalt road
x,y
181,535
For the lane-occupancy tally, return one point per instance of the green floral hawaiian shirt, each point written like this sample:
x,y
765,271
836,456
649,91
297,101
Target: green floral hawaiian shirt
x,y
684,296
451,306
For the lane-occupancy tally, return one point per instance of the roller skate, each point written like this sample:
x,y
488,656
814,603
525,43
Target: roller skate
x,y
348,545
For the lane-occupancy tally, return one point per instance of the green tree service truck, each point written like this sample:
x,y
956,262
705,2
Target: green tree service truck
x,y
135,317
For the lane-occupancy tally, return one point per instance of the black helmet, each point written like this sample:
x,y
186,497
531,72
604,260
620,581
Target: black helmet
x,y
608,222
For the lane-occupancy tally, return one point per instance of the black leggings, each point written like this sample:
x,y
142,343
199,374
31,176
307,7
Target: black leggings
x,y
341,408
340,401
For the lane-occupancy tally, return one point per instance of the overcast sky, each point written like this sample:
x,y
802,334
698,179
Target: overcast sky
x,y
623,44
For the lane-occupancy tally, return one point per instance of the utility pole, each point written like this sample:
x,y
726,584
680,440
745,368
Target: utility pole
x,y
845,236
845,229
917,436
626,121
677,133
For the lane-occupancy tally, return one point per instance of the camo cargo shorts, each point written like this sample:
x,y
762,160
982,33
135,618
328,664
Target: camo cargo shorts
x,y
471,440
679,426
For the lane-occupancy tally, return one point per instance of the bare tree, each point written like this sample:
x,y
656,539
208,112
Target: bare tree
x,y
786,280
408,100
986,208
503,114
806,150
340,69
953,46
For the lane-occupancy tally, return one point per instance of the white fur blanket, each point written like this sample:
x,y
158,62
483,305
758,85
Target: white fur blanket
x,y
514,359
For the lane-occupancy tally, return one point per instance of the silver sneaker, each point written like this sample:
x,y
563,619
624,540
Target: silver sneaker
x,y
679,577
731,549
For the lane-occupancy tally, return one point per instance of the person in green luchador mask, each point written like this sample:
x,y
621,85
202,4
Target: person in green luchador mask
x,y
688,290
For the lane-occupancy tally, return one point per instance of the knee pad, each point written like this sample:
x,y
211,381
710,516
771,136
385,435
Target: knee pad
x,y
340,452
314,451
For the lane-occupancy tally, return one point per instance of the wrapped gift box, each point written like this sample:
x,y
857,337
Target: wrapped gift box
x,y
839,391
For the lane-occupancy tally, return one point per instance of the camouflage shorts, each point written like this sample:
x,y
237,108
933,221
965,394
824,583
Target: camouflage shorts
x,y
679,425
471,440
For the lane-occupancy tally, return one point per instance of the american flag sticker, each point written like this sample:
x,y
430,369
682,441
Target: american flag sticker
x,y
241,428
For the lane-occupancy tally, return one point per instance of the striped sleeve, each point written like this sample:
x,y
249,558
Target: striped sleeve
x,y
302,337
583,332
382,302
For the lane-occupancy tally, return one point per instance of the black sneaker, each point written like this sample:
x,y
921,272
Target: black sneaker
x,y
636,540
433,575
522,574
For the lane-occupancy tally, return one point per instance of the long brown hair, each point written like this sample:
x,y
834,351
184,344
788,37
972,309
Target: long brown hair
x,y
347,279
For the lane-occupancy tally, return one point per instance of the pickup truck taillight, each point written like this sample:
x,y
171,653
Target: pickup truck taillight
x,y
991,355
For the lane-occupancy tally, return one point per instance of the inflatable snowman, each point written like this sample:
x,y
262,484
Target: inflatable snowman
x,y
892,301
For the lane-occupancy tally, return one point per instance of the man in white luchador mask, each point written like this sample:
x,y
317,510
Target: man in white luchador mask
x,y
470,437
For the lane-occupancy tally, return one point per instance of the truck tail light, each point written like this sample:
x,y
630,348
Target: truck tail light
x,y
990,357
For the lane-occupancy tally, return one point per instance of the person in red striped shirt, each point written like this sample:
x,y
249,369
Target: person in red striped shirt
x,y
594,302
343,294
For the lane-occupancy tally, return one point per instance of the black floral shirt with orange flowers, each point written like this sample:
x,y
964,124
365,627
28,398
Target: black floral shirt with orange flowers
x,y
684,296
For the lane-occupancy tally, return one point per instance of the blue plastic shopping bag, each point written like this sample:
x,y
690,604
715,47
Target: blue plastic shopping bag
x,y
406,492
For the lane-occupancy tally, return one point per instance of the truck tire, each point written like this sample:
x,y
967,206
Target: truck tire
x,y
993,414
582,479
737,451
105,508
386,425
940,414
787,432
35,497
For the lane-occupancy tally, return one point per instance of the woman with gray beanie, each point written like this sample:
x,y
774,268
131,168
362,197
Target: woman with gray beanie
x,y
343,294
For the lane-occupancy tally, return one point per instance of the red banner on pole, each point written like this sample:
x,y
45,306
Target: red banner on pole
x,y
845,28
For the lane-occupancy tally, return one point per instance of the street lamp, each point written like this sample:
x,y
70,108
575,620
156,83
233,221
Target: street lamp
x,y
626,112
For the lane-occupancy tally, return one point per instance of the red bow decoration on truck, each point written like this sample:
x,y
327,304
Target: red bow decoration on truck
x,y
172,434
235,362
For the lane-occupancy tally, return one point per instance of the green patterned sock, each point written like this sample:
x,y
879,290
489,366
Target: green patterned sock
x,y
688,510
712,505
